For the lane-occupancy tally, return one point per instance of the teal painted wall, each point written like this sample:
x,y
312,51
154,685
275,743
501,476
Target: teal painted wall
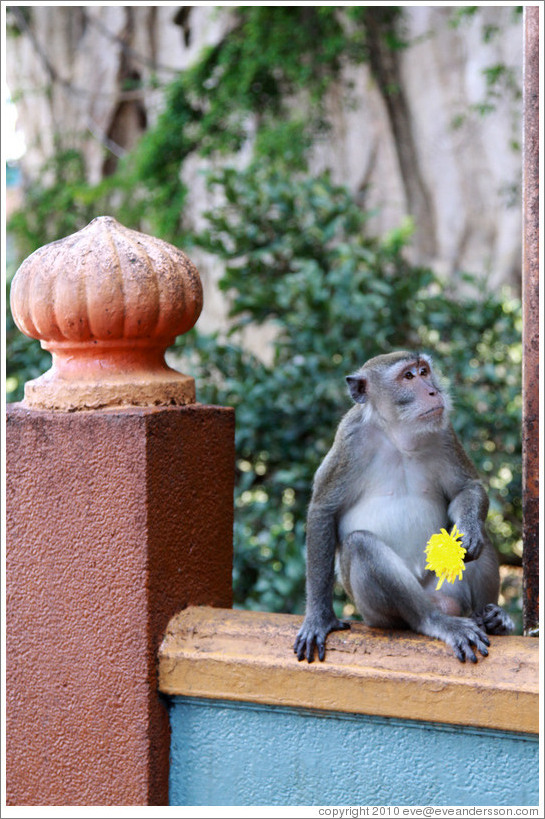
x,y
227,753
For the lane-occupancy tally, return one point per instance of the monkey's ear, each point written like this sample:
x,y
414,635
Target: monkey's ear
x,y
357,386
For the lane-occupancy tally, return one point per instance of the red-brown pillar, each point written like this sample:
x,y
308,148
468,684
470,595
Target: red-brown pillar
x,y
117,518
531,325
116,521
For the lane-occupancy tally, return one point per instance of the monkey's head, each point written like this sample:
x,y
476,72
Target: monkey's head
x,y
399,389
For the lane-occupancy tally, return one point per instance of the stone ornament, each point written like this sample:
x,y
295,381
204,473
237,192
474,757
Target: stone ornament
x,y
106,302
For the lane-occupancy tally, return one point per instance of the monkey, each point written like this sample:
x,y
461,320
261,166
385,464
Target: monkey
x,y
396,474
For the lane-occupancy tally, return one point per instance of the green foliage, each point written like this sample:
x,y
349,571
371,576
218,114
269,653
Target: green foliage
x,y
17,17
297,256
462,13
270,55
502,81
25,360
57,202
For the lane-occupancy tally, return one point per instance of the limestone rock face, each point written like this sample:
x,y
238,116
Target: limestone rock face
x,y
469,171
73,66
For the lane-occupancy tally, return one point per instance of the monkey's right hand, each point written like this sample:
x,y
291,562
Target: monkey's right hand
x,y
313,633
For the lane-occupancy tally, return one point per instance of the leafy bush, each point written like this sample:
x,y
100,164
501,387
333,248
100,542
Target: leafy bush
x,y
58,201
25,359
298,256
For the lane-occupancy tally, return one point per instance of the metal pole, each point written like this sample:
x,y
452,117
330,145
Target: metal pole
x,y
530,298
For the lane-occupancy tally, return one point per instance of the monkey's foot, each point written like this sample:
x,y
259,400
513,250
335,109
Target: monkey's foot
x,y
313,634
494,620
462,633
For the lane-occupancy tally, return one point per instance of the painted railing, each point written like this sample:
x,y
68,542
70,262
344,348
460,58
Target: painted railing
x,y
390,718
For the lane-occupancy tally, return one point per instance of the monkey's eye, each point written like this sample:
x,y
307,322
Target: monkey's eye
x,y
408,375
424,371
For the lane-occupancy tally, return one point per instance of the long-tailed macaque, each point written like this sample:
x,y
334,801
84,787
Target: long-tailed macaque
x,y
395,475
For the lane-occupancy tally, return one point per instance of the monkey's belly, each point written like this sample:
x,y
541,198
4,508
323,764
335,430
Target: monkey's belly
x,y
405,523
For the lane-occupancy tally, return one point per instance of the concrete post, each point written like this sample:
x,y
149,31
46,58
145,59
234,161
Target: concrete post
x,y
117,517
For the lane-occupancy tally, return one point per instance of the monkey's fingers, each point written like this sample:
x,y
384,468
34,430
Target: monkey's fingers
x,y
482,638
473,544
339,625
314,636
320,645
494,620
304,647
464,651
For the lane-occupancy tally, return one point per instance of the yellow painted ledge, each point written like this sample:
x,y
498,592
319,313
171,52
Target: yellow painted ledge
x,y
247,656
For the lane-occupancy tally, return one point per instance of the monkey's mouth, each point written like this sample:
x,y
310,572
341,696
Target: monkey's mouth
x,y
438,410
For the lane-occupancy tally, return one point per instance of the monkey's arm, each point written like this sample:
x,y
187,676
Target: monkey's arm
x,y
468,510
468,506
320,618
328,495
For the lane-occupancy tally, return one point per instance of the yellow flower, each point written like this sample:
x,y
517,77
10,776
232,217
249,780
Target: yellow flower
x,y
446,556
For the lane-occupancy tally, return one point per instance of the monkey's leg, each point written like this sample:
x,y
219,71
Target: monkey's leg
x,y
386,594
